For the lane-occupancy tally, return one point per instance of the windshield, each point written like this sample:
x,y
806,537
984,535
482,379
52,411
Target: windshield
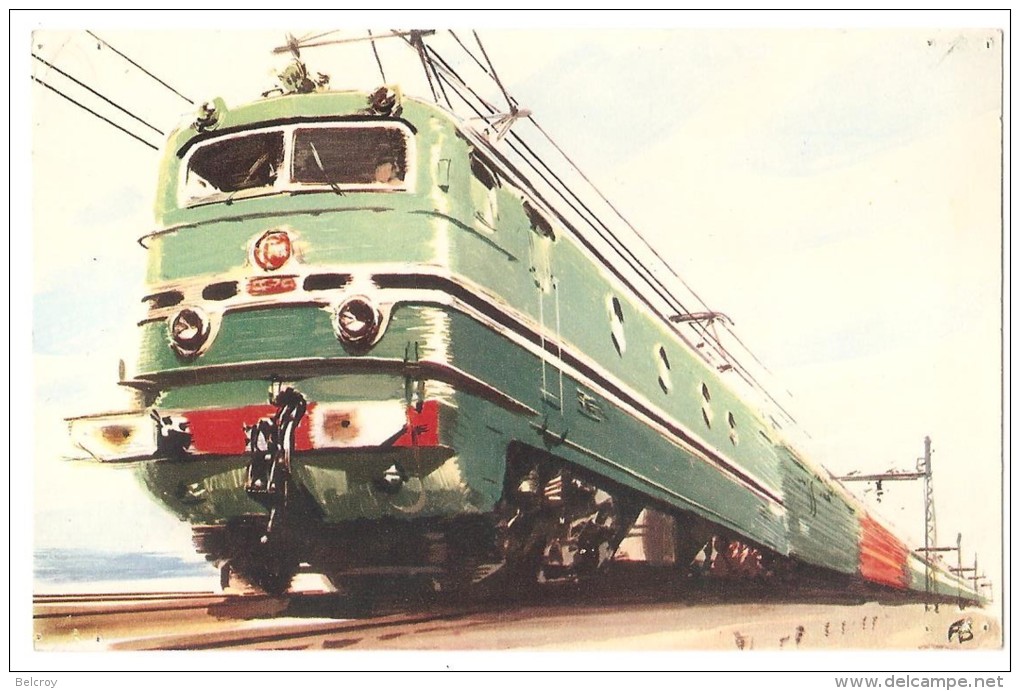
x,y
234,164
348,156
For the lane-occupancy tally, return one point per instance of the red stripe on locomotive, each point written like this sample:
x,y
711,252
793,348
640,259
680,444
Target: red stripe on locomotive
x,y
222,430
422,427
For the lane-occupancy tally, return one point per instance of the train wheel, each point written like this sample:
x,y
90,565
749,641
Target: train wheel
x,y
522,531
270,573
693,545
557,524
244,559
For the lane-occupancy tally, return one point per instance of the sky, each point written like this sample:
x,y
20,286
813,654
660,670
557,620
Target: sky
x,y
836,192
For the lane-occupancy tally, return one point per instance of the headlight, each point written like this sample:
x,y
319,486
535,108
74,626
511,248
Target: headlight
x,y
357,322
189,330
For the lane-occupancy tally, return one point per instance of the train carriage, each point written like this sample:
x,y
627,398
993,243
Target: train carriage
x,y
370,345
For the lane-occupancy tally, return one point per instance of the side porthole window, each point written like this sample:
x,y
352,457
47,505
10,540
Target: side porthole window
x,y
732,421
616,324
443,174
486,200
665,383
706,405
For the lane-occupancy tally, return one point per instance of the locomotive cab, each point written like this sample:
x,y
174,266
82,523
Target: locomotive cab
x,y
345,156
303,378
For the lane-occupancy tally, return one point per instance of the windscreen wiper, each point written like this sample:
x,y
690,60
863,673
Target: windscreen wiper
x,y
247,178
325,176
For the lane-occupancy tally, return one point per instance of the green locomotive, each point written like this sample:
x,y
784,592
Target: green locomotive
x,y
372,346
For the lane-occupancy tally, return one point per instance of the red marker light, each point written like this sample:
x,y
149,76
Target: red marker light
x,y
272,250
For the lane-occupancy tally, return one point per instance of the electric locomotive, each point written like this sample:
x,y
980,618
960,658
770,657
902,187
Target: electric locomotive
x,y
370,345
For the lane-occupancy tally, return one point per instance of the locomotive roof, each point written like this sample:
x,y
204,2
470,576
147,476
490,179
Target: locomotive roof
x,y
289,108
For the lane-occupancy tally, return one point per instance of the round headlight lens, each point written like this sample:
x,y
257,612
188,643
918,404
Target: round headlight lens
x,y
189,330
357,321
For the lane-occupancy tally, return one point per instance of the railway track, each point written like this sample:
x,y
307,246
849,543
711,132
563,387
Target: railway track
x,y
326,635
202,621
658,613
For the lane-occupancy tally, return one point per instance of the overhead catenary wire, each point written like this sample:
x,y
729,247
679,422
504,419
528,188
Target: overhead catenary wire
x,y
493,110
466,50
416,43
645,242
491,72
650,277
742,371
510,103
99,95
357,39
442,88
375,52
104,119
419,45
593,220
542,176
549,183
107,44
314,37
